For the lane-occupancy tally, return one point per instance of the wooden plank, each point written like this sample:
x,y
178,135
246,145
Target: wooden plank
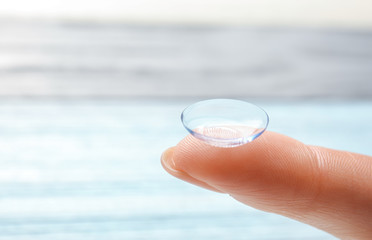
x,y
90,170
67,59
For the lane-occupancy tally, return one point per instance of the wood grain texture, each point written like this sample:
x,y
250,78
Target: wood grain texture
x,y
74,165
83,169
72,59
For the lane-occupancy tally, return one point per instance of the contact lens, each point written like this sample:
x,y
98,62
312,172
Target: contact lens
x,y
225,122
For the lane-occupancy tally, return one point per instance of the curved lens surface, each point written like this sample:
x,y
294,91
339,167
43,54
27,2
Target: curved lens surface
x,y
225,122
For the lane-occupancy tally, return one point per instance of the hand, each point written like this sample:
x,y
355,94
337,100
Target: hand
x,y
328,189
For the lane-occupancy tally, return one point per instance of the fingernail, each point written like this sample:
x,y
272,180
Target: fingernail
x,y
167,159
169,165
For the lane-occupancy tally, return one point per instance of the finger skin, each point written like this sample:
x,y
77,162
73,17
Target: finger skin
x,y
168,166
329,189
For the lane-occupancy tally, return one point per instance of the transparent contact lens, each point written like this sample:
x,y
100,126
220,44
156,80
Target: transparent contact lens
x,y
225,122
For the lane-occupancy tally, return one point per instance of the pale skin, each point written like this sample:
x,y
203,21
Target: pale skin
x,y
325,188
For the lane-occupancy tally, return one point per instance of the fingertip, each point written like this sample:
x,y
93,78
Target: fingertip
x,y
168,163
217,165
167,159
272,162
278,174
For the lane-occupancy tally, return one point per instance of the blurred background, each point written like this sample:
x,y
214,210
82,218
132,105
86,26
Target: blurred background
x,y
91,93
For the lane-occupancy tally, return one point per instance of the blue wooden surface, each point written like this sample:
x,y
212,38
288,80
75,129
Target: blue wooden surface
x,y
85,169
